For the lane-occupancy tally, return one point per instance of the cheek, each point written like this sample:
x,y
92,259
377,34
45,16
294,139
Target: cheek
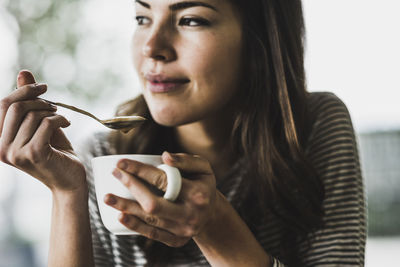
x,y
136,54
218,69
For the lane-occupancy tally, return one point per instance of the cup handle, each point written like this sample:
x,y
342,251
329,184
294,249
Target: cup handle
x,y
174,182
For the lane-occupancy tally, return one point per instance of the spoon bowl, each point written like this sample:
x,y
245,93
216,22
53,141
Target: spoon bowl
x,y
123,122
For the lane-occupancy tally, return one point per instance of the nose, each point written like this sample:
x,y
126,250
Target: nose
x,y
159,46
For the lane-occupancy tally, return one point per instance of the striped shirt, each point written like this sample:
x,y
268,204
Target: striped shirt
x,y
332,149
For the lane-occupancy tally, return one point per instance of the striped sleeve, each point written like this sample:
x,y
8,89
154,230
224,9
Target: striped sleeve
x,y
333,151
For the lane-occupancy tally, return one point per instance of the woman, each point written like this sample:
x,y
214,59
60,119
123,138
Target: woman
x,y
271,172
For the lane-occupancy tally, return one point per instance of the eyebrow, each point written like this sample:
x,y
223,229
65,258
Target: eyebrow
x,y
180,5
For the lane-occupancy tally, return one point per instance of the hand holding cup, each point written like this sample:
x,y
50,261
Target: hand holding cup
x,y
144,212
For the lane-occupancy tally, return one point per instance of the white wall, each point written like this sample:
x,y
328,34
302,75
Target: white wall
x,y
353,50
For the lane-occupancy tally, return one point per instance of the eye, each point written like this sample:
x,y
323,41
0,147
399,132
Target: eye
x,y
193,22
141,20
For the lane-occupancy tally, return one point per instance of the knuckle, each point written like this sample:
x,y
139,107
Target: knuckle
x,y
151,207
47,122
33,116
150,219
17,107
200,197
11,157
4,104
15,159
188,232
127,181
161,181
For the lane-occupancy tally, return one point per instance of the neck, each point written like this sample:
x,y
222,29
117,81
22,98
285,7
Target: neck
x,y
209,139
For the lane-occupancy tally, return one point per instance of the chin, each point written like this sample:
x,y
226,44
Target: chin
x,y
171,119
170,114
165,117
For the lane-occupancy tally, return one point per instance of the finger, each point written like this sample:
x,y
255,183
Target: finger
x,y
27,92
146,172
149,202
16,114
25,77
188,163
151,232
131,207
29,126
165,211
47,128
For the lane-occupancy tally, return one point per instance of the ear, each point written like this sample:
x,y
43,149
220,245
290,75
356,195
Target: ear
x,y
25,77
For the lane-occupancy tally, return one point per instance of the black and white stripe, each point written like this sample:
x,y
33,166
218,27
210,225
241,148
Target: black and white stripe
x,y
332,149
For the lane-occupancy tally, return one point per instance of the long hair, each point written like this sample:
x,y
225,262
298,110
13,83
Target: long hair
x,y
272,123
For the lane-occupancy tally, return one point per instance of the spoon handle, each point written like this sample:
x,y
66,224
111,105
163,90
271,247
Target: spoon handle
x,y
84,112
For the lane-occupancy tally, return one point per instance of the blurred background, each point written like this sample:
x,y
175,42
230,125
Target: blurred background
x,y
81,50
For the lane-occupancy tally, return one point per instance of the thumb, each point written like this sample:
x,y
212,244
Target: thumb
x,y
25,77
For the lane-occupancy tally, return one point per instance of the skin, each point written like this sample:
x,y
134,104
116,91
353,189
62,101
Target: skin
x,y
201,114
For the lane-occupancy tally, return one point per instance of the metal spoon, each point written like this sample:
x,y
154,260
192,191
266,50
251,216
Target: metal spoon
x,y
122,123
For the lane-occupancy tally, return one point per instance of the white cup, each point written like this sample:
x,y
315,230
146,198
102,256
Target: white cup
x,y
106,183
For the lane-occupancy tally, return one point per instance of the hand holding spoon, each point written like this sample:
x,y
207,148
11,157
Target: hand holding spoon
x,y
122,123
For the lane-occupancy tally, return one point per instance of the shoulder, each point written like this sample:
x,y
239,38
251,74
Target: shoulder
x,y
323,104
332,145
332,142
330,117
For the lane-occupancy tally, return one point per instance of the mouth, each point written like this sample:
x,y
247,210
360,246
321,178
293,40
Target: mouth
x,y
158,83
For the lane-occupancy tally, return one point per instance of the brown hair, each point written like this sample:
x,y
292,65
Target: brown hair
x,y
272,124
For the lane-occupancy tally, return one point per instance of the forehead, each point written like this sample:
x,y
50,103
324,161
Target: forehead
x,y
175,5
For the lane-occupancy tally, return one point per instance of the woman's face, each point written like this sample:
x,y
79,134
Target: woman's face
x,y
188,57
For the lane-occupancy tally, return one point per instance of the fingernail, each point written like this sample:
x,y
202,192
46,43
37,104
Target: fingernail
x,y
170,157
122,165
110,200
117,173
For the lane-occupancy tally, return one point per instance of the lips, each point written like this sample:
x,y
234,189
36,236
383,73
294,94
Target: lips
x,y
158,83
